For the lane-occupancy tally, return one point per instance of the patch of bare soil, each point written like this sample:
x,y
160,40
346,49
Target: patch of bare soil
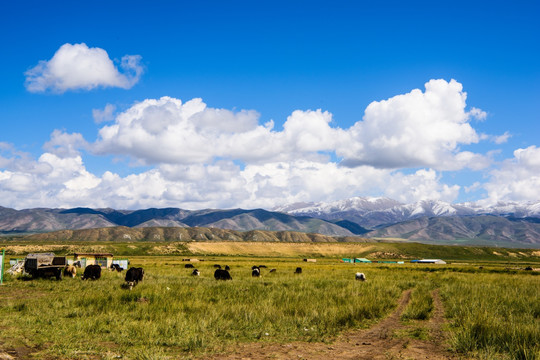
x,y
21,352
382,341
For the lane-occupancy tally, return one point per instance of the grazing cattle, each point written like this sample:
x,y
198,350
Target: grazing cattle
x,y
227,267
189,266
298,270
256,272
70,270
92,272
360,276
195,272
116,267
133,276
217,266
262,266
254,267
220,274
272,270
77,264
529,268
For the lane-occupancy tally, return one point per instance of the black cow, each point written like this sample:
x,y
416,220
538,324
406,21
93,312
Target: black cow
x,y
217,266
254,267
272,270
220,274
189,266
298,270
195,272
227,267
256,272
133,276
116,267
262,266
92,272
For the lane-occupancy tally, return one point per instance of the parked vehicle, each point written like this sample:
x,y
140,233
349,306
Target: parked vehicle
x,y
44,265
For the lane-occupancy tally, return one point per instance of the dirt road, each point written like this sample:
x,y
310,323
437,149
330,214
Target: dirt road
x,y
389,339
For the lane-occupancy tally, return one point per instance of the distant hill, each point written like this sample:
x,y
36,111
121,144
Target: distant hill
x,y
482,229
504,224
43,220
122,233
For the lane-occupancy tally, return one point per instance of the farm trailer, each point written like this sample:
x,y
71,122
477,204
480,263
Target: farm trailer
x,y
44,265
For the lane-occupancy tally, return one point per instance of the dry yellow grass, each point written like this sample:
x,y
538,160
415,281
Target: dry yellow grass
x,y
277,249
36,248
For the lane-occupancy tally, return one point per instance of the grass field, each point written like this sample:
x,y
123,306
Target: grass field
x,y
492,312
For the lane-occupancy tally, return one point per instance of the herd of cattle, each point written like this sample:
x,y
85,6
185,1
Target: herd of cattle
x,y
136,274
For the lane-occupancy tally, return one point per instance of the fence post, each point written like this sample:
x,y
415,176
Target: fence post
x,y
2,266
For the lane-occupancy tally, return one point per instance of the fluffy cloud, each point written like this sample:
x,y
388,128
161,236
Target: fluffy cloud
x,y
200,157
79,67
65,145
107,114
517,179
168,131
65,182
417,129
422,185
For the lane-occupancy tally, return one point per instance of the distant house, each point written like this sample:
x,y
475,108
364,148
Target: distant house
x,y
104,260
362,260
429,261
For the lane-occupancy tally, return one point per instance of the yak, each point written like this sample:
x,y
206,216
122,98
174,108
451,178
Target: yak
x,y
221,274
360,276
70,270
133,276
92,272
116,267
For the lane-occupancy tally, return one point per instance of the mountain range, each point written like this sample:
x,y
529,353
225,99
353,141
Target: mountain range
x,y
504,224
43,220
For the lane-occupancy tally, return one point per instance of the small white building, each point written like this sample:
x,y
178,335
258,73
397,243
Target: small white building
x,y
431,261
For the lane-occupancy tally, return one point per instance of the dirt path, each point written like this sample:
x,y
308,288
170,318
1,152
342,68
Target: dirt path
x,y
386,340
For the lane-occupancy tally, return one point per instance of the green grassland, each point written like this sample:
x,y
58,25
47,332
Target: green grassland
x,y
492,310
373,249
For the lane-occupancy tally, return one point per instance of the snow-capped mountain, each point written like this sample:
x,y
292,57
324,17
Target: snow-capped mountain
x,y
374,212
358,204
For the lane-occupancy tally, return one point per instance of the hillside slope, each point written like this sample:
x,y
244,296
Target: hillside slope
x,y
487,229
122,233
41,220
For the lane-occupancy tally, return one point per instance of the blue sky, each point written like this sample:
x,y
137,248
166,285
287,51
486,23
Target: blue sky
x,y
256,62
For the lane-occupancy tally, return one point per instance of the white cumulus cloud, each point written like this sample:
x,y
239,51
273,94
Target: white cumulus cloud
x,y
76,66
107,114
517,179
202,157
166,130
417,129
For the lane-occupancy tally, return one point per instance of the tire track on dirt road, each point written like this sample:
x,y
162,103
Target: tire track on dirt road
x,y
377,342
